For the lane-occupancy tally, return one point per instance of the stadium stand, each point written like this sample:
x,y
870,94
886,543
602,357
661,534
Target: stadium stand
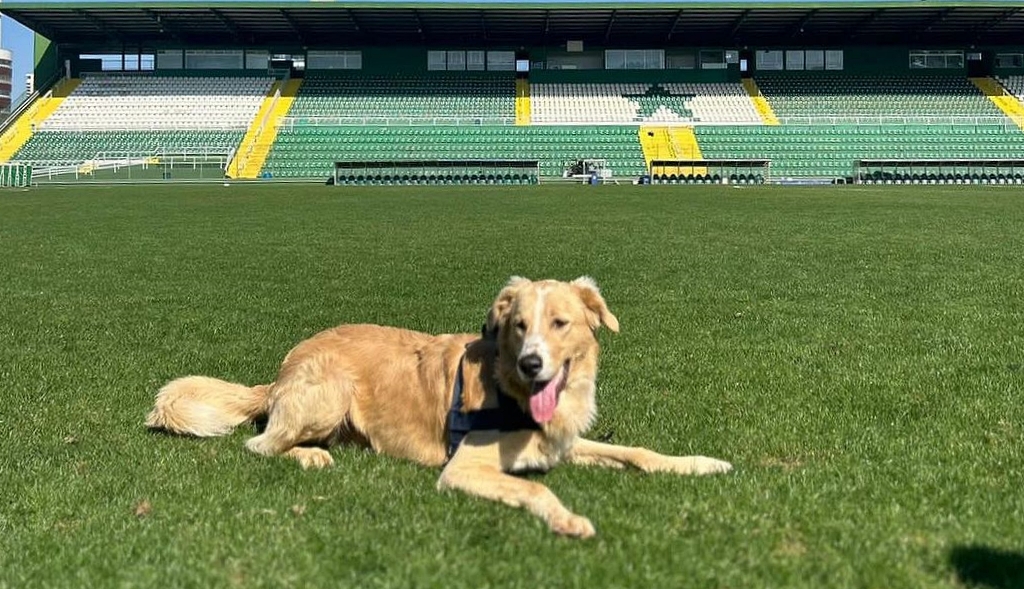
x,y
821,137
309,151
830,150
342,117
568,103
147,102
817,96
1014,85
55,148
427,84
472,96
146,114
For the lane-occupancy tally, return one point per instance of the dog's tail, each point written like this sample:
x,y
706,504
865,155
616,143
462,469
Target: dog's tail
x,y
204,407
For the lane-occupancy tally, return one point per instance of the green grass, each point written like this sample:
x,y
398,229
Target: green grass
x,y
858,354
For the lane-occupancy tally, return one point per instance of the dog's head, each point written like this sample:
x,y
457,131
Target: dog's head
x,y
546,336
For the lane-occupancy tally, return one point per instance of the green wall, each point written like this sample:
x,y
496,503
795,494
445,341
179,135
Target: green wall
x,y
47,61
626,76
413,60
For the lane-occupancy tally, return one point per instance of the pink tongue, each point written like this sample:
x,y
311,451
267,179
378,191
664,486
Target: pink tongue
x,y
544,401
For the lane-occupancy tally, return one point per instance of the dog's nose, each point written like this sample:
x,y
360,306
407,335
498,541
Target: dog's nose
x,y
531,364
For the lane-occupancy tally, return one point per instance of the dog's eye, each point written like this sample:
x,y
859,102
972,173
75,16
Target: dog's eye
x,y
521,325
559,323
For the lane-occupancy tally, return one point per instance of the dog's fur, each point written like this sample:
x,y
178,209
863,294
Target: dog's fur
x,y
391,389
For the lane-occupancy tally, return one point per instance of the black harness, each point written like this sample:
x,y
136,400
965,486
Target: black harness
x,y
508,416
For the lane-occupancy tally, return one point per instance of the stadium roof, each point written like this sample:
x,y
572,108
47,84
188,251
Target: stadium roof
x,y
644,23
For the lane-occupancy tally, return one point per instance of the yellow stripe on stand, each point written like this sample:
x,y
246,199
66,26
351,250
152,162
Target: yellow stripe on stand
x,y
760,102
18,134
255,147
523,116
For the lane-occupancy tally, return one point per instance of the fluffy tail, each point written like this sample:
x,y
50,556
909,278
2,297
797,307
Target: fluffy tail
x,y
204,407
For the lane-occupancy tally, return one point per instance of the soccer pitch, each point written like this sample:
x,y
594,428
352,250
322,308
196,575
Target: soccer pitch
x,y
857,353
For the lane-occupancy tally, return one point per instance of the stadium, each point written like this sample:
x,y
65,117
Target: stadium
x,y
805,214
917,92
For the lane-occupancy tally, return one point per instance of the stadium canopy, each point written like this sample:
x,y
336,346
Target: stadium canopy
x,y
632,23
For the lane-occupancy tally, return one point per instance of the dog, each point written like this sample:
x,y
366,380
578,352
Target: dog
x,y
516,398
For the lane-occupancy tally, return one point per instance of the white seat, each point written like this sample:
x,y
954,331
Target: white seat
x,y
147,102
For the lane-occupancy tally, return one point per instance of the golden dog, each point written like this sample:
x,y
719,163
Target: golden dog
x,y
393,389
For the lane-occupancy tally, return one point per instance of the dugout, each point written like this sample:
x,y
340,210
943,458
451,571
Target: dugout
x,y
939,171
710,171
409,172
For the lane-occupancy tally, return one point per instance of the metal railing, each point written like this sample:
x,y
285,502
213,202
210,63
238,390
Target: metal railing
x,y
395,120
896,120
212,157
291,122
111,125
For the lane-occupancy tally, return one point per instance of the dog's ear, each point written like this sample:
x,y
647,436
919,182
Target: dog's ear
x,y
503,304
597,310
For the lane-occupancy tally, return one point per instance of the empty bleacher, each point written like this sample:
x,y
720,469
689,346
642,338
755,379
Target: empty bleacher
x,y
829,122
630,103
60,147
143,114
310,151
148,102
480,96
830,150
812,95
1014,85
345,117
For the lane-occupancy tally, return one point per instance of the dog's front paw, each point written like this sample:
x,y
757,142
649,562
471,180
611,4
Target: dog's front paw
x,y
698,465
312,457
573,525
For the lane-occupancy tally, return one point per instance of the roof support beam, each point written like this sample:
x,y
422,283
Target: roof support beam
x,y
355,21
421,29
798,29
165,27
608,29
672,27
292,25
930,23
736,24
483,24
864,23
979,32
99,24
228,24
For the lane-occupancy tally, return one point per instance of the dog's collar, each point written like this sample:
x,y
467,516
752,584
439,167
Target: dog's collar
x,y
508,416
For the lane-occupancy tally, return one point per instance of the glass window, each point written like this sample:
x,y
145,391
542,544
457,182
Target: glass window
x,y
437,61
476,61
655,59
814,60
681,61
1009,60
635,60
615,59
712,59
794,60
833,60
768,60
456,61
939,59
503,61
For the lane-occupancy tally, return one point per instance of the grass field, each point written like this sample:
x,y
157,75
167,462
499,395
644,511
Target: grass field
x,y
856,353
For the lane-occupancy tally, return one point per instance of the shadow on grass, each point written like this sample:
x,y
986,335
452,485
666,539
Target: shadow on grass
x,y
987,567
